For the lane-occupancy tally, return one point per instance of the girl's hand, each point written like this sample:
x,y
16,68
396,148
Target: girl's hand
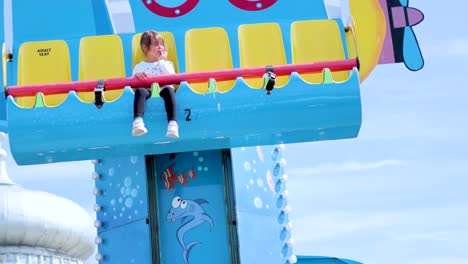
x,y
141,75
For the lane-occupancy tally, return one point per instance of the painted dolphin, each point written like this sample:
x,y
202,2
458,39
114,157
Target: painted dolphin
x,y
184,209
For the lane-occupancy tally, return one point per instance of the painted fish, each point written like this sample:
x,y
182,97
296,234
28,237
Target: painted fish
x,y
169,177
191,210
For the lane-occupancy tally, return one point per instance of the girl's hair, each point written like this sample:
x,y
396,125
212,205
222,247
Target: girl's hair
x,y
150,37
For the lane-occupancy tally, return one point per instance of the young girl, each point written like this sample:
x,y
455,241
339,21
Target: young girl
x,y
154,49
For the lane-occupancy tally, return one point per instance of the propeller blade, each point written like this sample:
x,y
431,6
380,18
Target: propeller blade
x,y
412,55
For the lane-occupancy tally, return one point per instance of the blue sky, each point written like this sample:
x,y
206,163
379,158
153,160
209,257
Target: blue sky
x,y
398,192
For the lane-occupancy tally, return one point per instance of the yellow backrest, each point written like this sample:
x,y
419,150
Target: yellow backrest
x,y
208,49
43,62
4,62
261,45
350,35
317,41
137,53
101,57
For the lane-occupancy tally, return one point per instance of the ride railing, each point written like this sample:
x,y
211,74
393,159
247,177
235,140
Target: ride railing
x,y
268,72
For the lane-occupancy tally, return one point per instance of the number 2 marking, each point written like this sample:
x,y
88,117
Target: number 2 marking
x,y
188,112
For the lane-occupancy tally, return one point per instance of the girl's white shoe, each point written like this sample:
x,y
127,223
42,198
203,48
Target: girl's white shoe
x,y
138,127
172,129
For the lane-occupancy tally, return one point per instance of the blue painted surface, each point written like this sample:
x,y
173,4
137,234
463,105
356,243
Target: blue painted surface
x,y
259,204
127,244
206,227
324,260
122,197
123,191
52,19
242,117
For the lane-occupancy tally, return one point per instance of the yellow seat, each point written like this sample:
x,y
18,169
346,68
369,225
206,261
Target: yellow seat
x,y
208,49
43,62
137,53
261,45
317,41
101,57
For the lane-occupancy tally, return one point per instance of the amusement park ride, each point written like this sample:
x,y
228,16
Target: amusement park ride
x,y
252,75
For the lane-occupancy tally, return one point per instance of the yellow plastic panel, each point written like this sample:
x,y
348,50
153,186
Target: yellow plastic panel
x,y
351,42
4,62
370,27
43,62
137,53
317,41
101,57
261,45
208,49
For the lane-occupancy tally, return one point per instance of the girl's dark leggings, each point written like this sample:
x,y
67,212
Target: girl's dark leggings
x,y
167,93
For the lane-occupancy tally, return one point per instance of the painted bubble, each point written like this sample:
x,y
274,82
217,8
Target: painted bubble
x,y
111,172
247,166
134,193
200,168
127,181
195,153
200,159
112,202
260,183
205,169
258,202
129,202
134,159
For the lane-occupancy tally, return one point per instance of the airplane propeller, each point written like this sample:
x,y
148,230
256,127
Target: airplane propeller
x,y
412,55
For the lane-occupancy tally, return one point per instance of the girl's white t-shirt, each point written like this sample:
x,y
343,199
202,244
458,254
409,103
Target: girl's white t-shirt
x,y
154,68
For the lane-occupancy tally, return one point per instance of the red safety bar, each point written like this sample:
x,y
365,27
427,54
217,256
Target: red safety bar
x,y
192,77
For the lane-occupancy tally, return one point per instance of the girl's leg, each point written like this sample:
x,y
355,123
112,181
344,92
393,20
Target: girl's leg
x,y
138,126
141,95
167,93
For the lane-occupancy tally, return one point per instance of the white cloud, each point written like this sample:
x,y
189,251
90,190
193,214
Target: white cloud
x,y
350,166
